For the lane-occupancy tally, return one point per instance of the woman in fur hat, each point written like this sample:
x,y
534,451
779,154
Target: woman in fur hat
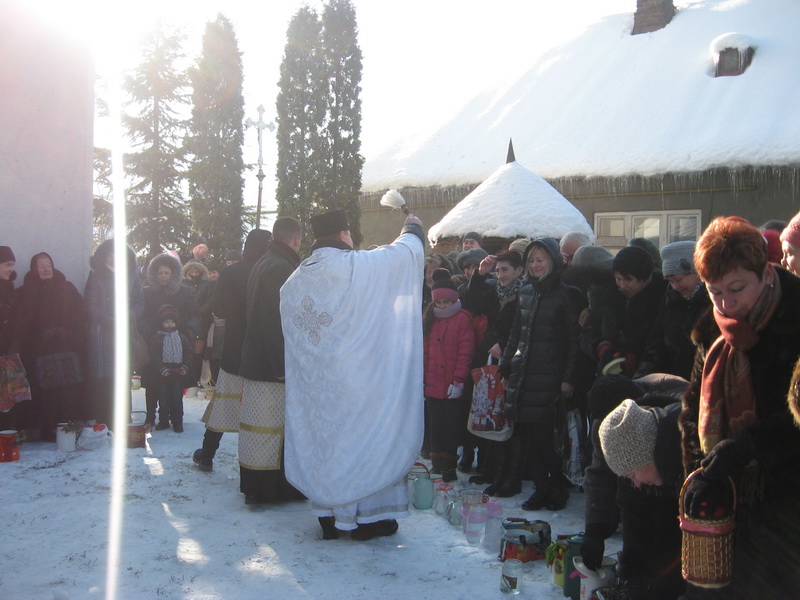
x,y
164,287
735,421
51,332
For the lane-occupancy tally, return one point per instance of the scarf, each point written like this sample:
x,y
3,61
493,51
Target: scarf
x,y
508,293
727,396
446,313
173,348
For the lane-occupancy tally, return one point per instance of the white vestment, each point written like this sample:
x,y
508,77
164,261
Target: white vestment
x,y
352,321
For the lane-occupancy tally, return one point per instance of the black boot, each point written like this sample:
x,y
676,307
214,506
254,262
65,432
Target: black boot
x,y
499,455
559,494
329,531
540,496
514,464
449,464
203,463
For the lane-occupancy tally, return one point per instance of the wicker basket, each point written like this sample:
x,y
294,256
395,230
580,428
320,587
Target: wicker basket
x,y
707,544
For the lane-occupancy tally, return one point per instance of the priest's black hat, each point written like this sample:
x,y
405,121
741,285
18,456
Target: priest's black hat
x,y
329,223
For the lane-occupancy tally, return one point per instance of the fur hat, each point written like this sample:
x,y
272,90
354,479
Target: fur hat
x,y
519,245
628,437
443,286
633,260
472,235
473,256
677,258
6,254
329,223
792,232
590,264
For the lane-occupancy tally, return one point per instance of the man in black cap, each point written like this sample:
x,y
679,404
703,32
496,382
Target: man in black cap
x,y
471,240
354,403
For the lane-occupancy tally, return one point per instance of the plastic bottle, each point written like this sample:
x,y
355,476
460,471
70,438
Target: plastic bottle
x,y
494,526
476,522
572,585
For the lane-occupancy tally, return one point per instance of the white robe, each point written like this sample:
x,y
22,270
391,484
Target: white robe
x,y
352,322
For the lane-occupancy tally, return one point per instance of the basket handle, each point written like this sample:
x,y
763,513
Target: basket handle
x,y
694,474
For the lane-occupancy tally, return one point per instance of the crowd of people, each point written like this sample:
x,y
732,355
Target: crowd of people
x,y
338,371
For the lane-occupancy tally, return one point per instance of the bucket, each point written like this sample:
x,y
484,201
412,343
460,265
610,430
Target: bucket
x,y
65,440
592,580
137,432
9,449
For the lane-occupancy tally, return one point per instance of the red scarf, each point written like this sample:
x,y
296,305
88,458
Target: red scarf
x,y
727,396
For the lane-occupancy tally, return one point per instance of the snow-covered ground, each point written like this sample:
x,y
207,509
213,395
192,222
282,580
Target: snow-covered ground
x,y
188,535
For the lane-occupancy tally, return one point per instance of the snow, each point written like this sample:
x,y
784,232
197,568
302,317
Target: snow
x,y
188,535
539,209
608,104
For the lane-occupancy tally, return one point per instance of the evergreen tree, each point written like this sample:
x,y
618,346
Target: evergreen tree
x,y
216,135
342,134
157,212
319,117
102,210
301,108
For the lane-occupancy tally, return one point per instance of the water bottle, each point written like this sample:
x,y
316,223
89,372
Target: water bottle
x,y
476,522
494,526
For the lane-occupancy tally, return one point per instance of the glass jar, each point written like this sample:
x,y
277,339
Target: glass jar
x,y
511,577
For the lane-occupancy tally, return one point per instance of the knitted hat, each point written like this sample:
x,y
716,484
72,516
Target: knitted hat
x,y
677,258
651,248
519,245
473,256
633,260
233,255
628,437
792,232
774,250
443,287
329,223
167,311
6,254
472,235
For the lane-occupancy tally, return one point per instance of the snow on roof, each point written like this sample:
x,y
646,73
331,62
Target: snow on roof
x,y
610,104
512,202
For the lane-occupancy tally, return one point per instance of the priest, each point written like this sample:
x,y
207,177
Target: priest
x,y
354,402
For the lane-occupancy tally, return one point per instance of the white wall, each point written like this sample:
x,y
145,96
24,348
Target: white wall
x,y
46,145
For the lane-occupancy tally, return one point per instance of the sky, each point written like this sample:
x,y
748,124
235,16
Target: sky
x,y
188,535
423,59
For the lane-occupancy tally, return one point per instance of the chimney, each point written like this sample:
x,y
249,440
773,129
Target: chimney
x,y
652,15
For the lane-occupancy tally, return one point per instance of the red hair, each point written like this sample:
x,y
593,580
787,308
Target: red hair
x,y
730,243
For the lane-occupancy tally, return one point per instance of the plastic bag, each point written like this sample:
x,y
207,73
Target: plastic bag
x,y
94,437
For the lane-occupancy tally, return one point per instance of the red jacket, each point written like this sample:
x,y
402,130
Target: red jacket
x,y
449,349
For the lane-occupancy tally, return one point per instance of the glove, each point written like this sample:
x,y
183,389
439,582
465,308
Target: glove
x,y
593,546
728,458
707,498
455,390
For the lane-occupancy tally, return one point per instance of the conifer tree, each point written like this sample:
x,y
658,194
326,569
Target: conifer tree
x,y
214,143
157,213
342,133
301,108
102,211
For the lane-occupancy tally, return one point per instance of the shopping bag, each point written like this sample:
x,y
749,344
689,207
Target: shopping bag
x,y
487,413
14,386
570,437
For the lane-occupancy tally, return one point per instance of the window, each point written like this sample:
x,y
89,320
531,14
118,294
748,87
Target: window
x,y
732,61
614,230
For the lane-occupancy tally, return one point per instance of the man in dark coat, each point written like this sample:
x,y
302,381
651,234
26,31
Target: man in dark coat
x,y
229,303
669,347
635,476
263,368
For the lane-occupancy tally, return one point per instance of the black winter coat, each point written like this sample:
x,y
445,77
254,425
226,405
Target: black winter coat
x,y
542,347
481,299
262,352
174,293
669,348
229,302
6,319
